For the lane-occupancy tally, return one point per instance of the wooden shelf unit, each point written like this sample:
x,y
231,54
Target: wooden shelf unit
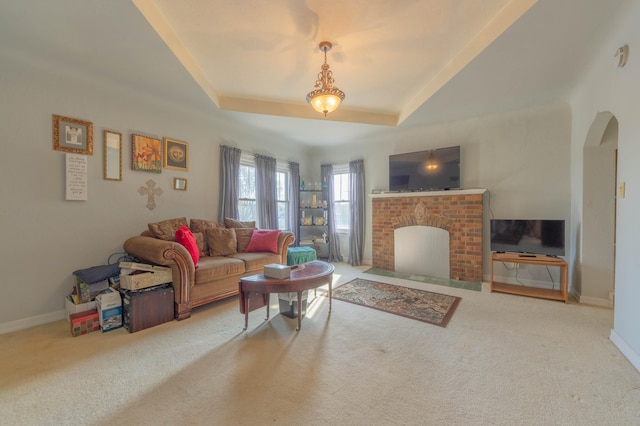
x,y
541,260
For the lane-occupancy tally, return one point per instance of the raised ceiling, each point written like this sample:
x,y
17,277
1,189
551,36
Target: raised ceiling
x,y
403,63
389,57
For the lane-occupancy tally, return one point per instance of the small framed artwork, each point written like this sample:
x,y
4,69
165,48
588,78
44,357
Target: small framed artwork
x,y
72,135
180,184
176,155
112,167
146,154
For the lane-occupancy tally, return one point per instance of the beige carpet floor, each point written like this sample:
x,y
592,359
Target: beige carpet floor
x,y
502,360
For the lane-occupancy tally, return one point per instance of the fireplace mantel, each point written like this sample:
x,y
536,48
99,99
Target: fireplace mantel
x,y
429,193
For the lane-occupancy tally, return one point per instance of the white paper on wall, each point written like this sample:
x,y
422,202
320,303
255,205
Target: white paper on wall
x,y
76,175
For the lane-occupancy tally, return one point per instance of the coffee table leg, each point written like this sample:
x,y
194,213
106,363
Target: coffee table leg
x,y
246,311
265,298
330,280
299,310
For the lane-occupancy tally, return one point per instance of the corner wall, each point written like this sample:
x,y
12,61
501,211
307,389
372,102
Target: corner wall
x,y
46,238
617,90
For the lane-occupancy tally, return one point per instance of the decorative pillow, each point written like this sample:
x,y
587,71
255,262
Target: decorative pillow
x,y
166,230
222,242
185,237
264,240
201,242
232,223
200,225
243,235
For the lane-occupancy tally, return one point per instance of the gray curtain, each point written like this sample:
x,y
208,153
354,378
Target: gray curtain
x,y
326,175
294,199
229,169
356,217
266,192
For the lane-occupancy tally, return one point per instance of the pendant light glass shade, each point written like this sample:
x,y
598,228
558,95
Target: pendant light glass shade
x,y
326,98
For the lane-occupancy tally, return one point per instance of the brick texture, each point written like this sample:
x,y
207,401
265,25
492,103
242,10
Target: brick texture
x,y
460,215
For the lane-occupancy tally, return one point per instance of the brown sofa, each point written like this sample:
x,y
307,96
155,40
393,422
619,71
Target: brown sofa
x,y
219,269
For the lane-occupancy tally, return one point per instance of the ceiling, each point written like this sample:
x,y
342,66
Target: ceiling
x,y
388,56
399,62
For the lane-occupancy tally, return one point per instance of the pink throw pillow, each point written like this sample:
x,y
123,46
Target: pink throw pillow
x,y
185,237
264,240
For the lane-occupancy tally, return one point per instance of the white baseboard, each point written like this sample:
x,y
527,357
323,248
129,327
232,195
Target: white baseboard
x,y
627,351
25,323
595,301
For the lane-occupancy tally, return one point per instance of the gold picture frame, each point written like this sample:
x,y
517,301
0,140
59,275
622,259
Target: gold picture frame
x,y
176,155
146,154
180,184
72,135
112,160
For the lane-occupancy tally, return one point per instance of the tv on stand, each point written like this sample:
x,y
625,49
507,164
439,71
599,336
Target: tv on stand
x,y
528,237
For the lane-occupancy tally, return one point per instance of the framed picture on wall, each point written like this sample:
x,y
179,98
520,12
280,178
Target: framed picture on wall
x,y
146,154
72,135
176,155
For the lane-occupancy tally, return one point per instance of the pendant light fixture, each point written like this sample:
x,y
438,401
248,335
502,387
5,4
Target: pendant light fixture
x,y
326,98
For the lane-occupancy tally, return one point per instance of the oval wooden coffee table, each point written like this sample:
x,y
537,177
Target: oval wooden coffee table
x,y
257,288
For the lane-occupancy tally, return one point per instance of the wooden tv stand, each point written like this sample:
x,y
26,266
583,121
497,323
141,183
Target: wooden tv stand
x,y
543,293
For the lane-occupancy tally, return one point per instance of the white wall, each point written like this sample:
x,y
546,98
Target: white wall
x,y
44,237
617,90
521,157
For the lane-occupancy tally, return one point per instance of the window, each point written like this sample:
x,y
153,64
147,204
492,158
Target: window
x,y
341,197
247,210
282,197
247,191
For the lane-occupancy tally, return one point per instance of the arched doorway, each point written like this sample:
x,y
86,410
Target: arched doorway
x,y
599,211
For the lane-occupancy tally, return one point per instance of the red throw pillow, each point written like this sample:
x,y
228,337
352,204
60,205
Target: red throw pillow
x,y
264,240
185,237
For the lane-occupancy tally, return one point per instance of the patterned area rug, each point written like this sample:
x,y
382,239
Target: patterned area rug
x,y
420,305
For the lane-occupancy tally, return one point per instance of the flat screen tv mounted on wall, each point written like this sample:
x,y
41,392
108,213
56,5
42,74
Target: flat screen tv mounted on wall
x,y
430,170
528,236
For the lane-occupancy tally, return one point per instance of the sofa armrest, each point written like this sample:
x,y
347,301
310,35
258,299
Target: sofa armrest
x,y
284,241
174,255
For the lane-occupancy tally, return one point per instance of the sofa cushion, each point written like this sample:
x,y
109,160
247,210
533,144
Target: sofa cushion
x,y
243,236
215,268
232,223
201,225
185,237
221,241
256,261
166,230
201,242
264,240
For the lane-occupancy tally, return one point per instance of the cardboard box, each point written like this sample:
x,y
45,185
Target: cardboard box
x,y
84,322
109,307
136,276
278,271
72,308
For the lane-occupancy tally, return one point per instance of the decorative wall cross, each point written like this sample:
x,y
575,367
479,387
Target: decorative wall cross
x,y
150,191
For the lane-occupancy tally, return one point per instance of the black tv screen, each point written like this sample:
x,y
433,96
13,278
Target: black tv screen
x,y
430,170
528,236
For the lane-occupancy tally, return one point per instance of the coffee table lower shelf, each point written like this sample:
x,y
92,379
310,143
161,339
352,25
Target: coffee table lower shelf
x,y
541,293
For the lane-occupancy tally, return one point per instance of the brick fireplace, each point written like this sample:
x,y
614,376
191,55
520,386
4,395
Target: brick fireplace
x,y
458,212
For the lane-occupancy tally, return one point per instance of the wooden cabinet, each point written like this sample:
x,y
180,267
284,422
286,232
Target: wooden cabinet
x,y
313,226
540,260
